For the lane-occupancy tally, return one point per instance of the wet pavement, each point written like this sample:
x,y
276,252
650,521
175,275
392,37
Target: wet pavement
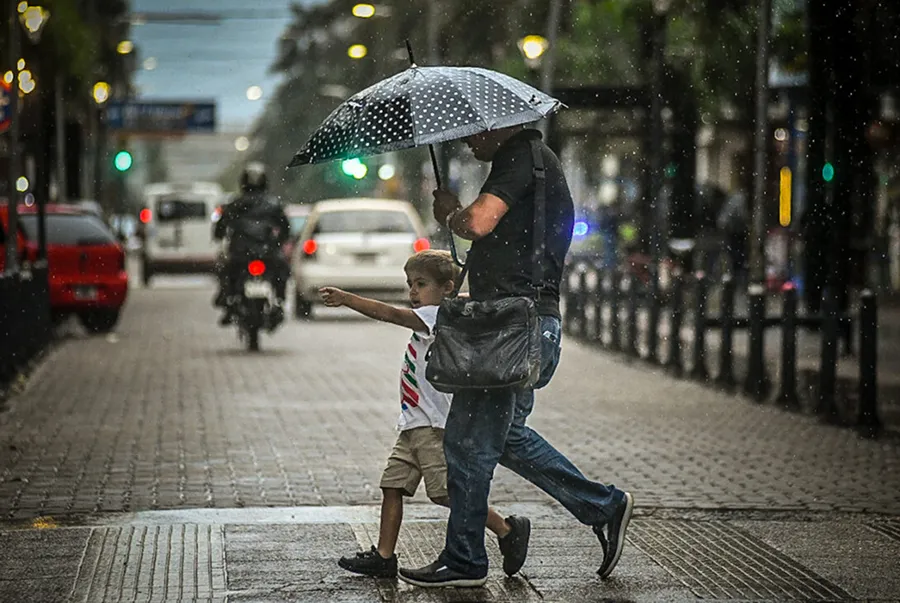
x,y
164,464
290,554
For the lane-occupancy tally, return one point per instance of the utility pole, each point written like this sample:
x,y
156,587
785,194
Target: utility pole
x,y
547,63
756,384
59,110
12,250
760,140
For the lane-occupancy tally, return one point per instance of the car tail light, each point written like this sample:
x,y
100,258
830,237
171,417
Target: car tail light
x,y
310,247
256,267
421,245
145,216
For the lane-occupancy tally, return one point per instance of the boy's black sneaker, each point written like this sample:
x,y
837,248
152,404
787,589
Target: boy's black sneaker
x,y
615,533
370,563
514,546
437,574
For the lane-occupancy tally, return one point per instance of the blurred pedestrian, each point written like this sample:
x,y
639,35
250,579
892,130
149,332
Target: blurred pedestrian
x,y
418,453
734,223
485,427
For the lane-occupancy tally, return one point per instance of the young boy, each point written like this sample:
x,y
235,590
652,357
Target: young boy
x,y
419,451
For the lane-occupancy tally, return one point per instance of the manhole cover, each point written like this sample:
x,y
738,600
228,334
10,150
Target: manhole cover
x,y
717,561
182,562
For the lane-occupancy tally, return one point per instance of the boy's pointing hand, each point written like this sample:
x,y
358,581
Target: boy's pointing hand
x,y
332,296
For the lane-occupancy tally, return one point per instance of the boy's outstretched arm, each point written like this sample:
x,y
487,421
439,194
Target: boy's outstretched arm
x,y
403,317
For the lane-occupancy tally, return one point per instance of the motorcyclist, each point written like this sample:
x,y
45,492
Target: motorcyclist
x,y
256,227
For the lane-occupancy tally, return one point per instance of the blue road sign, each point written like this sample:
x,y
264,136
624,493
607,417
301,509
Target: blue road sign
x,y
161,117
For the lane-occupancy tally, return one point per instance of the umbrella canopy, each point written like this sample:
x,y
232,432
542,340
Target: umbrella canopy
x,y
424,105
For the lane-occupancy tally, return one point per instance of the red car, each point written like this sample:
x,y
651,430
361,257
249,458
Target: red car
x,y
85,261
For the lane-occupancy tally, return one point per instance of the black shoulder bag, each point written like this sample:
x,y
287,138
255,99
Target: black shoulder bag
x,y
492,344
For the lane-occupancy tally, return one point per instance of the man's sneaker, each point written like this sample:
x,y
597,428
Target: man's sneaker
x,y
370,563
615,532
437,574
514,546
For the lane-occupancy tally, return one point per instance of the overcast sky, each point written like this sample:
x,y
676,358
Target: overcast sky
x,y
216,62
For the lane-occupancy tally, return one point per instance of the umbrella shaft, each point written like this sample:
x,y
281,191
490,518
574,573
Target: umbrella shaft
x,y
434,164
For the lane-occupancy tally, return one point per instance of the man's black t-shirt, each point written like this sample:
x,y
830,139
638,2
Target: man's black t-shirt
x,y
500,264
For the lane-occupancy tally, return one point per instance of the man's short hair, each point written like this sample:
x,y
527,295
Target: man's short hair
x,y
434,263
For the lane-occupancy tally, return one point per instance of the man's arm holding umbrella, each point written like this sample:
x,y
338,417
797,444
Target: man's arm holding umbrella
x,y
473,222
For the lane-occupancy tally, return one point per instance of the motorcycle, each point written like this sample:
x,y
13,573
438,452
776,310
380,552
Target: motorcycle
x,y
256,306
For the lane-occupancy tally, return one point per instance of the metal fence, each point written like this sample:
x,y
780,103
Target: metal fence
x,y
668,325
25,324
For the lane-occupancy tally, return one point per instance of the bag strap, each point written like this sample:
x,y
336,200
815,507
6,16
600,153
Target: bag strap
x,y
540,217
540,225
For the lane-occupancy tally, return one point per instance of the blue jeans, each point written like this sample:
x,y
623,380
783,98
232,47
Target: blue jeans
x,y
488,426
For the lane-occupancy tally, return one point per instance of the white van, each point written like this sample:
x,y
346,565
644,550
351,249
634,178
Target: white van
x,y
177,224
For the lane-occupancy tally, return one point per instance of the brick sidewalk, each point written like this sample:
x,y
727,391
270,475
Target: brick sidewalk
x,y
171,413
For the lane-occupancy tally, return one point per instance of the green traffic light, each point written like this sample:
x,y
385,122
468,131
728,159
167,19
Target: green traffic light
x,y
828,172
123,161
354,167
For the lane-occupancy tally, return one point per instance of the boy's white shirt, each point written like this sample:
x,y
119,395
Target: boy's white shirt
x,y
421,405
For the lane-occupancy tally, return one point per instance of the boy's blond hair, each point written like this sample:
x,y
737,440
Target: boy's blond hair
x,y
435,264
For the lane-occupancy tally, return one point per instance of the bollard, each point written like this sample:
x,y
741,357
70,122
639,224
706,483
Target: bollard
x,y
631,329
583,297
827,406
756,384
787,397
599,300
673,360
653,315
615,336
699,370
725,378
868,421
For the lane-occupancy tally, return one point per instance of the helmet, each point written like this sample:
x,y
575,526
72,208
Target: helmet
x,y
253,177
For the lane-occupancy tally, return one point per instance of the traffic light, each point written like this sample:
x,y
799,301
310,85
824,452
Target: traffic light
x,y
354,167
828,172
123,161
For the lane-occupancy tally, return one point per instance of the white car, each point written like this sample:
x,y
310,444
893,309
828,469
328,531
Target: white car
x,y
359,245
177,224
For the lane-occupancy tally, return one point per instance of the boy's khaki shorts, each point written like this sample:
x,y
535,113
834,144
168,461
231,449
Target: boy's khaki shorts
x,y
418,454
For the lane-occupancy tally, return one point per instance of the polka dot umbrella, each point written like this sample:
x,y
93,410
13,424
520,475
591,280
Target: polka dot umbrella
x,y
423,106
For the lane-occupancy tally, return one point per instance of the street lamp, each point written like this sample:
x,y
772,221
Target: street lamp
x,y
101,92
532,48
33,18
357,51
254,93
364,11
661,7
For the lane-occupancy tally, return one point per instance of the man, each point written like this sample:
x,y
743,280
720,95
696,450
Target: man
x,y
487,427
254,222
